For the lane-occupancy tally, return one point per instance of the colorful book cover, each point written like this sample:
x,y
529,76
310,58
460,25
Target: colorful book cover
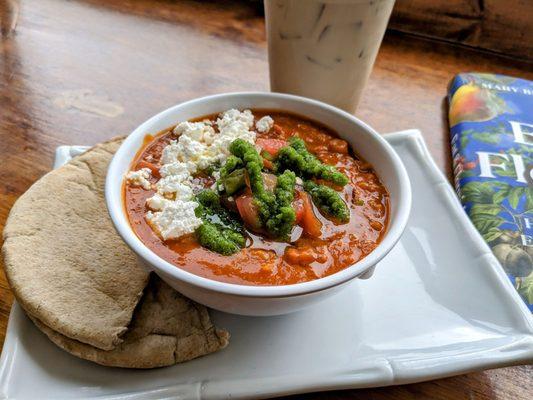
x,y
491,124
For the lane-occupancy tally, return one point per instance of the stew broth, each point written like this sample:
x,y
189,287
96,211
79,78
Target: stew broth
x,y
264,261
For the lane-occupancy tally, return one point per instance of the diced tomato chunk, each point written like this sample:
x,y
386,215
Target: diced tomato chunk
x,y
248,211
271,146
298,205
309,222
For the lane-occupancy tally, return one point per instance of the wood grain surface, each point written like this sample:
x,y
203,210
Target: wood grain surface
x,y
503,26
80,72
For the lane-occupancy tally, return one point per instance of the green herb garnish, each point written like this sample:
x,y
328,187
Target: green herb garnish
x,y
223,233
275,209
220,231
297,158
328,201
222,241
282,220
254,166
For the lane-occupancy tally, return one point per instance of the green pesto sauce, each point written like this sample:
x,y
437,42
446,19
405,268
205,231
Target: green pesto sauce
x,y
275,211
328,201
223,233
220,231
297,158
282,219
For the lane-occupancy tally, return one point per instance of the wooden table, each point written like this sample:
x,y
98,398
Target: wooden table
x,y
80,72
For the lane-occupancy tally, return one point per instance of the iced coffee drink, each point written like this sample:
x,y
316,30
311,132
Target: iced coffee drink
x,y
324,49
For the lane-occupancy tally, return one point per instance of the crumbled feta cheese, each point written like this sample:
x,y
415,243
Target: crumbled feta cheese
x,y
182,169
140,178
226,137
236,123
190,149
198,142
233,117
174,184
157,202
170,153
184,149
176,219
197,131
197,147
264,124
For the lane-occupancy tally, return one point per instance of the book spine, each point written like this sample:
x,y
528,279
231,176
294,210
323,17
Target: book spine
x,y
455,142
456,163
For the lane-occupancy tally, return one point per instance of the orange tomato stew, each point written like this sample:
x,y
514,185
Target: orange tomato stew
x,y
258,197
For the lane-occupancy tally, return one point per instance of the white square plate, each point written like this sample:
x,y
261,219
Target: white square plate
x,y
438,305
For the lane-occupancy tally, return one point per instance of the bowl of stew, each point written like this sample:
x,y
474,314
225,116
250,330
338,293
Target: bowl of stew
x,y
258,203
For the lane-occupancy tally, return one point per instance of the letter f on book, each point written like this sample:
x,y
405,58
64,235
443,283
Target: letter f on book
x,y
520,134
488,160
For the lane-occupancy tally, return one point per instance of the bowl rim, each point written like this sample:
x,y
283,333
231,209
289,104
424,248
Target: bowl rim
x,y
157,264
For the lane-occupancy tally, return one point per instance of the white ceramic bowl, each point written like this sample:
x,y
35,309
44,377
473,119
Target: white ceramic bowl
x,y
265,300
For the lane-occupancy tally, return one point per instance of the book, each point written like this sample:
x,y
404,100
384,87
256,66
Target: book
x,y
491,127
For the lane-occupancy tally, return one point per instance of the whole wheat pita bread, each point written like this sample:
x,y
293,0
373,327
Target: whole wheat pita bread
x,y
167,328
80,284
63,259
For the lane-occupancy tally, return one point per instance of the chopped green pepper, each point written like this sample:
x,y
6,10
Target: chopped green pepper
x,y
234,181
231,164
